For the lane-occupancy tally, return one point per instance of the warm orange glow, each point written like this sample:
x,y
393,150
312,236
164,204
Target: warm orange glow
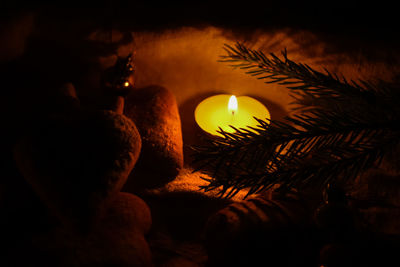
x,y
232,105
182,54
126,84
211,113
190,181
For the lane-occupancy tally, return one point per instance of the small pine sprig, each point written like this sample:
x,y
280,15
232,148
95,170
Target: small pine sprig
x,y
342,129
310,88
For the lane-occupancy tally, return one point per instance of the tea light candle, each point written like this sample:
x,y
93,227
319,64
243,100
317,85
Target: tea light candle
x,y
225,110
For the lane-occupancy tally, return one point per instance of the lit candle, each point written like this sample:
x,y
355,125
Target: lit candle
x,y
225,110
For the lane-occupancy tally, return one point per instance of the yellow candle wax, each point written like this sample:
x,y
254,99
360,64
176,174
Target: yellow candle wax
x,y
224,110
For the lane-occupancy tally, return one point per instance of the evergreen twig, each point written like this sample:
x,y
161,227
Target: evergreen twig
x,y
342,128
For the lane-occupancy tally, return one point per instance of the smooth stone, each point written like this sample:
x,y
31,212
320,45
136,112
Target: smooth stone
x,y
116,239
76,161
154,111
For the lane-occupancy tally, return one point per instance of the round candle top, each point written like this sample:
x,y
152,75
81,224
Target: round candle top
x,y
224,110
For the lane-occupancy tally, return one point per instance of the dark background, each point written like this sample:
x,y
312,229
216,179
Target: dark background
x,y
377,20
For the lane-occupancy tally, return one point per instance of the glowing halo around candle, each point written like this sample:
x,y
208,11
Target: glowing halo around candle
x,y
225,110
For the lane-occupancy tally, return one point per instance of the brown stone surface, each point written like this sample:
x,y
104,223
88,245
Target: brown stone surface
x,y
180,262
64,99
76,161
376,195
127,209
258,231
260,212
378,186
117,239
154,111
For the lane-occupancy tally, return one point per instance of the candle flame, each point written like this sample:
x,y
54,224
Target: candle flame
x,y
126,84
232,105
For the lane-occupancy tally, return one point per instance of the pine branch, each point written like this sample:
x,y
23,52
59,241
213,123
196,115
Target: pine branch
x,y
308,86
337,135
279,153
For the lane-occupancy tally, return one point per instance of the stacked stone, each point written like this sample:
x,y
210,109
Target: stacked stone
x,y
77,162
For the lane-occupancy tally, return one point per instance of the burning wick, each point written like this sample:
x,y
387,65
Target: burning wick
x,y
232,105
126,84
